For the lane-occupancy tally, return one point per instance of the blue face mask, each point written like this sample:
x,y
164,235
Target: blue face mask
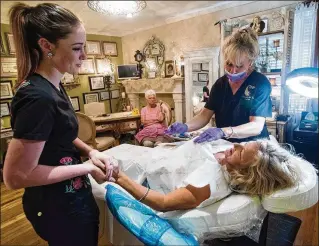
x,y
235,77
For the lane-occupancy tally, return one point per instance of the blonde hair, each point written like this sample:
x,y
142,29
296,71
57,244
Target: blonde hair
x,y
271,170
242,43
149,93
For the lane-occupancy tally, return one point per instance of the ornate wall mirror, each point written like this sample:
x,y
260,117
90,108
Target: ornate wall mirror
x,y
154,55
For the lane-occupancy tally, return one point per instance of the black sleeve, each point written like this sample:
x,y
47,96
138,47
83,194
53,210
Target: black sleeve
x,y
261,105
33,117
212,103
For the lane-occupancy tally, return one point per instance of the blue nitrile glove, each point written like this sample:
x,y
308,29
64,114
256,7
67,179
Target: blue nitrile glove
x,y
177,127
211,134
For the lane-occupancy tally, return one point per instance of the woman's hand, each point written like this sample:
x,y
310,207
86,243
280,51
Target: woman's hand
x,y
211,134
102,161
97,173
160,114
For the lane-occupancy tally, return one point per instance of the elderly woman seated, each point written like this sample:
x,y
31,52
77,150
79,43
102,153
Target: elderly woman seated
x,y
153,121
195,175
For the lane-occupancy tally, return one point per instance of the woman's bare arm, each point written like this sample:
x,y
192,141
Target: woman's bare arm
x,y
180,199
83,147
21,168
200,120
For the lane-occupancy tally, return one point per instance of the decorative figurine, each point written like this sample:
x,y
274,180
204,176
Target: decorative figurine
x,y
257,25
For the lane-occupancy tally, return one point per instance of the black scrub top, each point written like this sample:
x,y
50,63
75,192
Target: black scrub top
x,y
251,99
41,112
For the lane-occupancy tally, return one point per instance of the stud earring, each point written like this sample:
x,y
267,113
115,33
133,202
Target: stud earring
x,y
50,55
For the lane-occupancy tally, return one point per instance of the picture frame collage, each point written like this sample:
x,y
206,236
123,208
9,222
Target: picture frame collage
x,y
200,73
6,94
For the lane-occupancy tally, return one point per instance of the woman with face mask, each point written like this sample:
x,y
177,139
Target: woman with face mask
x,y
240,99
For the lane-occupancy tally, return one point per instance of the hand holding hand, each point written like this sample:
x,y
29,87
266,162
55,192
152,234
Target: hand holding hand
x,y
97,173
177,127
211,134
103,162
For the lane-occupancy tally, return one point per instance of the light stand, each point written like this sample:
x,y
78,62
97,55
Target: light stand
x,y
107,82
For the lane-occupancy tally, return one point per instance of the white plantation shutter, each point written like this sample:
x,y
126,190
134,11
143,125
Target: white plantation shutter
x,y
303,48
304,35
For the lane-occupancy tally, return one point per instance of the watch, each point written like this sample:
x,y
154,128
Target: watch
x,y
228,132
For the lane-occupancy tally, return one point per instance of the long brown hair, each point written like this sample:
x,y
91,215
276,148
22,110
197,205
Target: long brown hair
x,y
29,24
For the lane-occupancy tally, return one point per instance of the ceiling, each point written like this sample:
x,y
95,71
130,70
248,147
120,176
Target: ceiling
x,y
155,14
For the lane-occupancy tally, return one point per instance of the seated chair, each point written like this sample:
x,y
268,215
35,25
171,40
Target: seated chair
x,y
167,120
87,133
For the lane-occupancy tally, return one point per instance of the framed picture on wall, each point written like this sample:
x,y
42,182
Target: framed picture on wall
x,y
195,77
90,97
10,43
110,48
202,77
8,67
196,67
96,83
67,78
87,67
6,89
5,109
205,66
104,95
75,103
169,68
93,48
115,94
2,51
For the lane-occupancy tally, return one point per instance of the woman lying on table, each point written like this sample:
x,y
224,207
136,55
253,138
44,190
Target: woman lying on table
x,y
195,175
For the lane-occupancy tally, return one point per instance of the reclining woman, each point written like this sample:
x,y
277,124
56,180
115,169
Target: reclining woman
x,y
153,121
205,173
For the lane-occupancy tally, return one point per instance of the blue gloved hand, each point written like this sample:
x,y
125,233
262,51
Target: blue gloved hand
x,y
177,127
211,134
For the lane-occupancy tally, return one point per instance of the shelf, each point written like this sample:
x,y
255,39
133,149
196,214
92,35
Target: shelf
x,y
272,73
269,33
71,86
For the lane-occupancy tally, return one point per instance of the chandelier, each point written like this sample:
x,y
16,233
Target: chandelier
x,y
128,8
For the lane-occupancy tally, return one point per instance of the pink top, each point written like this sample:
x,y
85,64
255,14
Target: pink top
x,y
154,128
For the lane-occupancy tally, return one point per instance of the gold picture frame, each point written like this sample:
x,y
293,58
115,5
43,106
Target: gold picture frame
x,y
10,43
8,67
87,67
110,48
169,68
6,89
93,47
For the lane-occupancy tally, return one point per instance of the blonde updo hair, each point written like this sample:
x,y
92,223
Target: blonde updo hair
x,y
272,169
242,43
150,93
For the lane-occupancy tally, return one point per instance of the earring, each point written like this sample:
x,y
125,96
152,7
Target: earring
x,y
50,55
